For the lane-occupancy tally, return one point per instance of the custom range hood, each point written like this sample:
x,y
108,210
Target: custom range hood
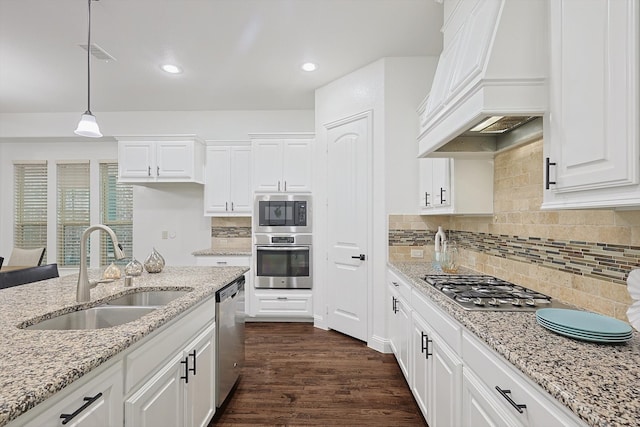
x,y
489,91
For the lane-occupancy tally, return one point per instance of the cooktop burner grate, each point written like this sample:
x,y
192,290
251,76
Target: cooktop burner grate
x,y
482,292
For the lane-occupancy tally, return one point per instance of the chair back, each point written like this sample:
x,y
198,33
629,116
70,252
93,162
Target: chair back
x,y
1,261
26,257
28,275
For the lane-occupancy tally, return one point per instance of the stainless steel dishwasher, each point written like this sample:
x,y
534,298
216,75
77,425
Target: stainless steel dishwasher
x,y
230,314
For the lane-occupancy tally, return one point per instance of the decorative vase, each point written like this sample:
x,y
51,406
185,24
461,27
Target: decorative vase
x,y
154,262
134,268
112,272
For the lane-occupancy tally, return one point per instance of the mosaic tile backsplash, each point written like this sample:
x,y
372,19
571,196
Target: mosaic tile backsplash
x,y
231,233
598,260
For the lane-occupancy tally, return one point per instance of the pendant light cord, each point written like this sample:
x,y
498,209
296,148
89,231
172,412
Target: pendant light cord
x,y
89,63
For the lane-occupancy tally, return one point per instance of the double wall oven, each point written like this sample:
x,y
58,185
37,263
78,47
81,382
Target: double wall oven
x,y
282,240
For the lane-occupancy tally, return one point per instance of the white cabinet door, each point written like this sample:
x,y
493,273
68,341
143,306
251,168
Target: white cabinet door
x,y
296,166
136,159
591,132
400,329
174,160
447,383
228,181
159,401
441,181
200,389
240,192
282,165
96,404
421,367
267,166
217,183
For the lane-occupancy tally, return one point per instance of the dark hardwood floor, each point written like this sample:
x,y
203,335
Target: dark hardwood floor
x,y
296,374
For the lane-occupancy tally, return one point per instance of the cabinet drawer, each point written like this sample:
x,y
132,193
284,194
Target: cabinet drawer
x,y
404,289
103,409
224,260
542,410
444,325
284,303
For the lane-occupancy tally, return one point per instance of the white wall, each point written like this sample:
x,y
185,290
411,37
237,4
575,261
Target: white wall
x,y
392,89
407,82
174,208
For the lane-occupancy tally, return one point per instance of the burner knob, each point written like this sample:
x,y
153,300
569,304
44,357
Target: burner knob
x,y
530,302
478,301
516,302
494,302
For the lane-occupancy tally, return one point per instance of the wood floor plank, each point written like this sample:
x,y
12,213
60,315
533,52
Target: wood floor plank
x,y
298,375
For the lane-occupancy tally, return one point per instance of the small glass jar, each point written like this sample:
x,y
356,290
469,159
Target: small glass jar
x,y
449,257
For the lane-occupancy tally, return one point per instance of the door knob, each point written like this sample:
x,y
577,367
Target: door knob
x,y
361,257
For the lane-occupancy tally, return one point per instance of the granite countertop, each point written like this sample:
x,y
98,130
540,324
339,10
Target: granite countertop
x,y
600,383
35,364
218,252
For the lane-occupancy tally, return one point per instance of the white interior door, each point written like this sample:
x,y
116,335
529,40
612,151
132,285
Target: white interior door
x,y
349,143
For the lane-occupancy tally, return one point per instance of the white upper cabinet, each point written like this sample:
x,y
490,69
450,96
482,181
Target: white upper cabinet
x,y
456,186
147,159
282,163
227,187
591,141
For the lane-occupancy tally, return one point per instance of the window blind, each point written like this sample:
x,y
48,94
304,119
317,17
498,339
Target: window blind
x,y
30,205
116,212
73,205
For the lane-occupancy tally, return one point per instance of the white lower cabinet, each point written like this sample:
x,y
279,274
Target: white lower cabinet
x,y
456,379
282,304
399,326
95,403
181,393
436,372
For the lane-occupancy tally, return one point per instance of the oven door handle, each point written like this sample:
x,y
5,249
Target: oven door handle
x,y
280,248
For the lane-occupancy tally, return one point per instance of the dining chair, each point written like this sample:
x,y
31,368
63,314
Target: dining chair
x,y
1,261
28,275
26,257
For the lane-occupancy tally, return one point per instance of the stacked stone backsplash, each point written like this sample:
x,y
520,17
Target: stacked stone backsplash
x,y
582,257
231,233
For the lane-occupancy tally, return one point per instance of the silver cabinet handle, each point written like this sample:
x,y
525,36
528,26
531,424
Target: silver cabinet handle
x,y
149,171
282,298
157,170
232,206
395,284
285,186
226,208
221,262
278,185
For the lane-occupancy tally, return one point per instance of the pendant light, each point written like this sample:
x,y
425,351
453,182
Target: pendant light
x,y
88,125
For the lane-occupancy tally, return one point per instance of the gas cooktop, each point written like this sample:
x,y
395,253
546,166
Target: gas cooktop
x,y
488,293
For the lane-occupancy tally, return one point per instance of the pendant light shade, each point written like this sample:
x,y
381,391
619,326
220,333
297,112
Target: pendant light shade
x,y
88,125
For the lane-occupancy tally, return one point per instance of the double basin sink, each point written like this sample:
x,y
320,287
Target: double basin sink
x,y
118,311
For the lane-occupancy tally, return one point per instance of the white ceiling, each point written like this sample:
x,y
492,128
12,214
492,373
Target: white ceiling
x,y
236,54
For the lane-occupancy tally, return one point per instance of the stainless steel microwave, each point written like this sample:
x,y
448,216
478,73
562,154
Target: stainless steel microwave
x,y
279,213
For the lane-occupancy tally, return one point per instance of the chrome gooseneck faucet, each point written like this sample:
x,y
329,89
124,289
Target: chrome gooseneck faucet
x,y
84,287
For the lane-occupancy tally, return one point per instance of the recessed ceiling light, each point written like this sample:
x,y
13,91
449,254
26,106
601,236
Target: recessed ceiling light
x,y
171,69
309,66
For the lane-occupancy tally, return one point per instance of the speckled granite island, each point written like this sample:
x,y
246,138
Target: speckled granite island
x,y
36,364
599,383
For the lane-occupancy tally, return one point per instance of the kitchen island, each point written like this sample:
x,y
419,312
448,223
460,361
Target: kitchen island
x,y
599,383
37,364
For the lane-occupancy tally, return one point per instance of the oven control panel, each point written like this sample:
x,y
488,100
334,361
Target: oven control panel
x,y
283,239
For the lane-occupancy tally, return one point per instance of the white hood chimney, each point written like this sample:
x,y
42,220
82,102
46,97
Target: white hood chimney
x,y
492,72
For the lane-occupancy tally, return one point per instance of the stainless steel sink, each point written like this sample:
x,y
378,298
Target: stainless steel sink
x,y
93,318
147,298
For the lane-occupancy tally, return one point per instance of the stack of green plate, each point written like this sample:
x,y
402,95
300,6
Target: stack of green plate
x,y
584,325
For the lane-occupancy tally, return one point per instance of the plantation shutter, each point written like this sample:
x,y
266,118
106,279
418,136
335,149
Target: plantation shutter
x,y
116,212
30,205
73,205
